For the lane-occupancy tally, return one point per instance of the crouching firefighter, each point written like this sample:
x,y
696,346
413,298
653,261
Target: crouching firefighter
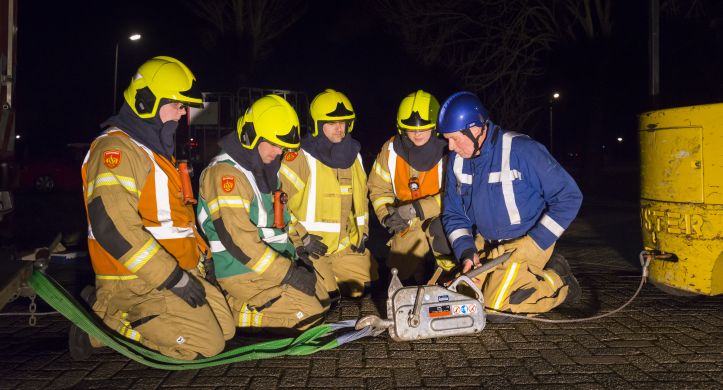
x,y
142,238
507,188
405,190
327,189
242,212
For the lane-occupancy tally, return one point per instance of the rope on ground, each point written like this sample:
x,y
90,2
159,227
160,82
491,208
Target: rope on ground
x,y
316,339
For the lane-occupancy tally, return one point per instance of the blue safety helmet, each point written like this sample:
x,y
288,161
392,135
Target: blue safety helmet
x,y
461,111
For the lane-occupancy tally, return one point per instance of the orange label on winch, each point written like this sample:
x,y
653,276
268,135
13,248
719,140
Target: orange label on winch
x,y
227,183
112,158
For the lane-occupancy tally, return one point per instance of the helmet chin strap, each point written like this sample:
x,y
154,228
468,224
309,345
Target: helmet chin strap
x,y
475,140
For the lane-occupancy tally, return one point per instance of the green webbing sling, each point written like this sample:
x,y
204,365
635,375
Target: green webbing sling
x,y
316,339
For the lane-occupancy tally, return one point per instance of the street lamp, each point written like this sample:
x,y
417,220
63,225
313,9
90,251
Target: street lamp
x,y
133,37
553,99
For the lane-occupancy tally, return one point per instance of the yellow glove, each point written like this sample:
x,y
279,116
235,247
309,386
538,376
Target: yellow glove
x,y
496,252
525,249
446,264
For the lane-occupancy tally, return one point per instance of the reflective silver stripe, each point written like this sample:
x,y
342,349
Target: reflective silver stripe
x,y
552,225
202,216
216,246
362,220
169,232
507,189
496,177
269,238
163,201
440,172
329,227
457,233
392,165
462,178
311,201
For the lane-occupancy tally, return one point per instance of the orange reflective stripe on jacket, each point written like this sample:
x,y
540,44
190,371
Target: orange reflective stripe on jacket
x,y
429,181
162,213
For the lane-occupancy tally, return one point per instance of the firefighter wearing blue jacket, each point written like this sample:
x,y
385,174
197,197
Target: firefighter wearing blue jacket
x,y
508,189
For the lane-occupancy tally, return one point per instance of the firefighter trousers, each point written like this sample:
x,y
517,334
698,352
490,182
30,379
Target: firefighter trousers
x,y
160,320
260,305
347,271
413,252
523,287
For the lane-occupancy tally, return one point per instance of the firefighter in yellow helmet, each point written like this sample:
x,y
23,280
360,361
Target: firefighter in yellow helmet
x,y
142,236
405,188
242,212
326,184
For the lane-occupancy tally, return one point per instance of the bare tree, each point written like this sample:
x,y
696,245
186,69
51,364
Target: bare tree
x,y
494,47
246,27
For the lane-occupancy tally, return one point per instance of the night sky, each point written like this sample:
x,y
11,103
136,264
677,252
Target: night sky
x,y
66,56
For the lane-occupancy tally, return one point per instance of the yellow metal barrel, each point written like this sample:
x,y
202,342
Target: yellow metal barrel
x,y
681,196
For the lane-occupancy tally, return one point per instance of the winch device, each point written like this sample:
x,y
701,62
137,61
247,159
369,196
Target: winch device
x,y
423,312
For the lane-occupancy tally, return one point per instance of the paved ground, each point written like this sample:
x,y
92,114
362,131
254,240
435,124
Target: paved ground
x,y
660,341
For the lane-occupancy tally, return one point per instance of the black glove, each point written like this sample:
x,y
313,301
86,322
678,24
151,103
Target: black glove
x,y
467,254
210,268
362,245
313,246
186,287
303,259
301,279
394,222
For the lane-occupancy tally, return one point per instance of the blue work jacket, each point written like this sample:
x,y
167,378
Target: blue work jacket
x,y
512,188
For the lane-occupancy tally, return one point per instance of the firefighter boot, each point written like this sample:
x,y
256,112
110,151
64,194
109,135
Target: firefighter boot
x,y
79,341
560,265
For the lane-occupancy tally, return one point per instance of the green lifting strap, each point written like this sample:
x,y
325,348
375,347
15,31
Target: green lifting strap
x,y
316,339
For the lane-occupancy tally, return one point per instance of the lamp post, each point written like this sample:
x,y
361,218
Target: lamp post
x,y
553,99
133,37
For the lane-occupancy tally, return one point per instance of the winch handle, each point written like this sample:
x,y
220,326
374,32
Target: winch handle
x,y
488,265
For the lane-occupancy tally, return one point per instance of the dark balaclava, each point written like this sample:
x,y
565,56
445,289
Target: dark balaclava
x,y
340,155
266,175
155,135
421,158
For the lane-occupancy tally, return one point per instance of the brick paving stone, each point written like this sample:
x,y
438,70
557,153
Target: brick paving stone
x,y
563,378
294,377
407,362
147,383
262,382
557,357
180,378
517,353
456,381
351,359
631,373
406,377
431,368
326,367
538,366
379,383
106,370
584,369
375,351
105,384
659,355
67,379
329,382
364,372
32,384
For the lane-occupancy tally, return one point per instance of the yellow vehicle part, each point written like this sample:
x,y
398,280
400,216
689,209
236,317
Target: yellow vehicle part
x,y
681,196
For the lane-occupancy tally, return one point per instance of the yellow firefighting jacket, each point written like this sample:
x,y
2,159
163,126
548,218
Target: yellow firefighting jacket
x,y
138,225
325,201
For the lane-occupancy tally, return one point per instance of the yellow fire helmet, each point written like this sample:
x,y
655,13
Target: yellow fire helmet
x,y
417,112
331,106
161,78
271,119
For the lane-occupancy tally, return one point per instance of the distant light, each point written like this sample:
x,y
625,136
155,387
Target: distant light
x,y
135,37
191,139
620,139
17,136
603,147
556,95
